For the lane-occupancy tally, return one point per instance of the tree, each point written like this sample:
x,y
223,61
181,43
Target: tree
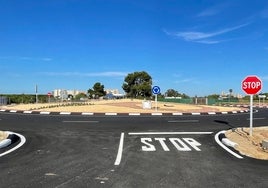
x,y
174,93
80,96
138,84
171,93
97,91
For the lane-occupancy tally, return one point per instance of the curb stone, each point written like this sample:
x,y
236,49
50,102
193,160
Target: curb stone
x,y
121,114
226,141
11,139
222,141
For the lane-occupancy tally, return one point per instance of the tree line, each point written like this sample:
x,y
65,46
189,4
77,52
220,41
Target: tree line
x,y
135,85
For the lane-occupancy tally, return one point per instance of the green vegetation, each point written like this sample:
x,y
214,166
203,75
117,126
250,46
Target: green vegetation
x,y
97,91
25,98
138,85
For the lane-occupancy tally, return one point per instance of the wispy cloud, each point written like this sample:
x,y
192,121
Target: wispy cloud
x,y
264,13
213,10
80,74
203,37
185,80
209,12
264,78
25,58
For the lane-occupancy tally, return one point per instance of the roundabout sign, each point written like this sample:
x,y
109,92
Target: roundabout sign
x,y
156,90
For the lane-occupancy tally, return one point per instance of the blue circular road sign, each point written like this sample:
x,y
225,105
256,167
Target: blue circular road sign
x,y
156,90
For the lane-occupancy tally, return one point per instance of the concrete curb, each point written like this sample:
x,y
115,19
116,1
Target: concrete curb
x,y
11,139
121,114
224,142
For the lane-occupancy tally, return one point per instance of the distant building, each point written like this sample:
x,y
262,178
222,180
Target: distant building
x,y
113,91
63,93
226,95
113,94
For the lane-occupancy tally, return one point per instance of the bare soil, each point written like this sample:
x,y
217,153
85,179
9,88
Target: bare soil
x,y
250,146
3,135
119,106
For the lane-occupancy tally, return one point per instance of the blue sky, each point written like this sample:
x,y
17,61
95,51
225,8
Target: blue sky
x,y
197,47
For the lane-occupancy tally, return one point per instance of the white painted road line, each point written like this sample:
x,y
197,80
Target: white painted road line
x,y
120,150
134,114
45,113
184,121
177,114
65,113
27,112
22,141
168,133
110,114
80,121
225,147
257,118
87,113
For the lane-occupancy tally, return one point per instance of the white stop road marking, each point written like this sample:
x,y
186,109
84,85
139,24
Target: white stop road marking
x,y
181,144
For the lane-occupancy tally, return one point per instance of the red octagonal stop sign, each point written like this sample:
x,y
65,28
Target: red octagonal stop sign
x,y
251,85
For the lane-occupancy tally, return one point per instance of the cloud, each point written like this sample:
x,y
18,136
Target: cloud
x,y
25,58
202,37
264,13
79,74
264,78
185,80
208,12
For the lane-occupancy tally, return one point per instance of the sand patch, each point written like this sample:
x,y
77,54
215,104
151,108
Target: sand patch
x,y
247,145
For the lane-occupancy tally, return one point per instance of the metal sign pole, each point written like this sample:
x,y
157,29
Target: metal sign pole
x,y
251,115
155,102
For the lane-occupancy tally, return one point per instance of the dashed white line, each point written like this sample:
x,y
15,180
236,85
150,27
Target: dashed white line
x,y
87,113
168,133
257,118
183,121
45,113
120,150
80,121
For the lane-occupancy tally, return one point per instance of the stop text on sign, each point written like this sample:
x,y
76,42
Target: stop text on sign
x,y
251,85
181,144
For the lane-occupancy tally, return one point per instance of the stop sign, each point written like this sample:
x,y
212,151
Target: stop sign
x,y
251,85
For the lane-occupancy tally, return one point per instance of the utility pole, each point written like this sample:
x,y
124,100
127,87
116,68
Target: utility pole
x,y
36,94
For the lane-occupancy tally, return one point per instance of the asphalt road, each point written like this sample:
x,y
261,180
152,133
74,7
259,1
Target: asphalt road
x,y
123,151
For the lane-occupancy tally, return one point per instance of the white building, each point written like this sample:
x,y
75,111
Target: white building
x,y
112,91
63,93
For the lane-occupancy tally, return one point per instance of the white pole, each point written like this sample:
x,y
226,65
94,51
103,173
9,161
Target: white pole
x,y
155,102
251,115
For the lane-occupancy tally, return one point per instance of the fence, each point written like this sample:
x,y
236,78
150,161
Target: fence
x,y
3,100
200,101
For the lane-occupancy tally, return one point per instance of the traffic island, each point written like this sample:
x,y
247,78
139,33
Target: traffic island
x,y
251,146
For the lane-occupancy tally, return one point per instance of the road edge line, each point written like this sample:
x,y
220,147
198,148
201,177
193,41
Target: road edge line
x,y
225,147
120,150
22,141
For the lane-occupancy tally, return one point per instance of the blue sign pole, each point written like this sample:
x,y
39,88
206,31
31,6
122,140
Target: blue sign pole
x,y
156,91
